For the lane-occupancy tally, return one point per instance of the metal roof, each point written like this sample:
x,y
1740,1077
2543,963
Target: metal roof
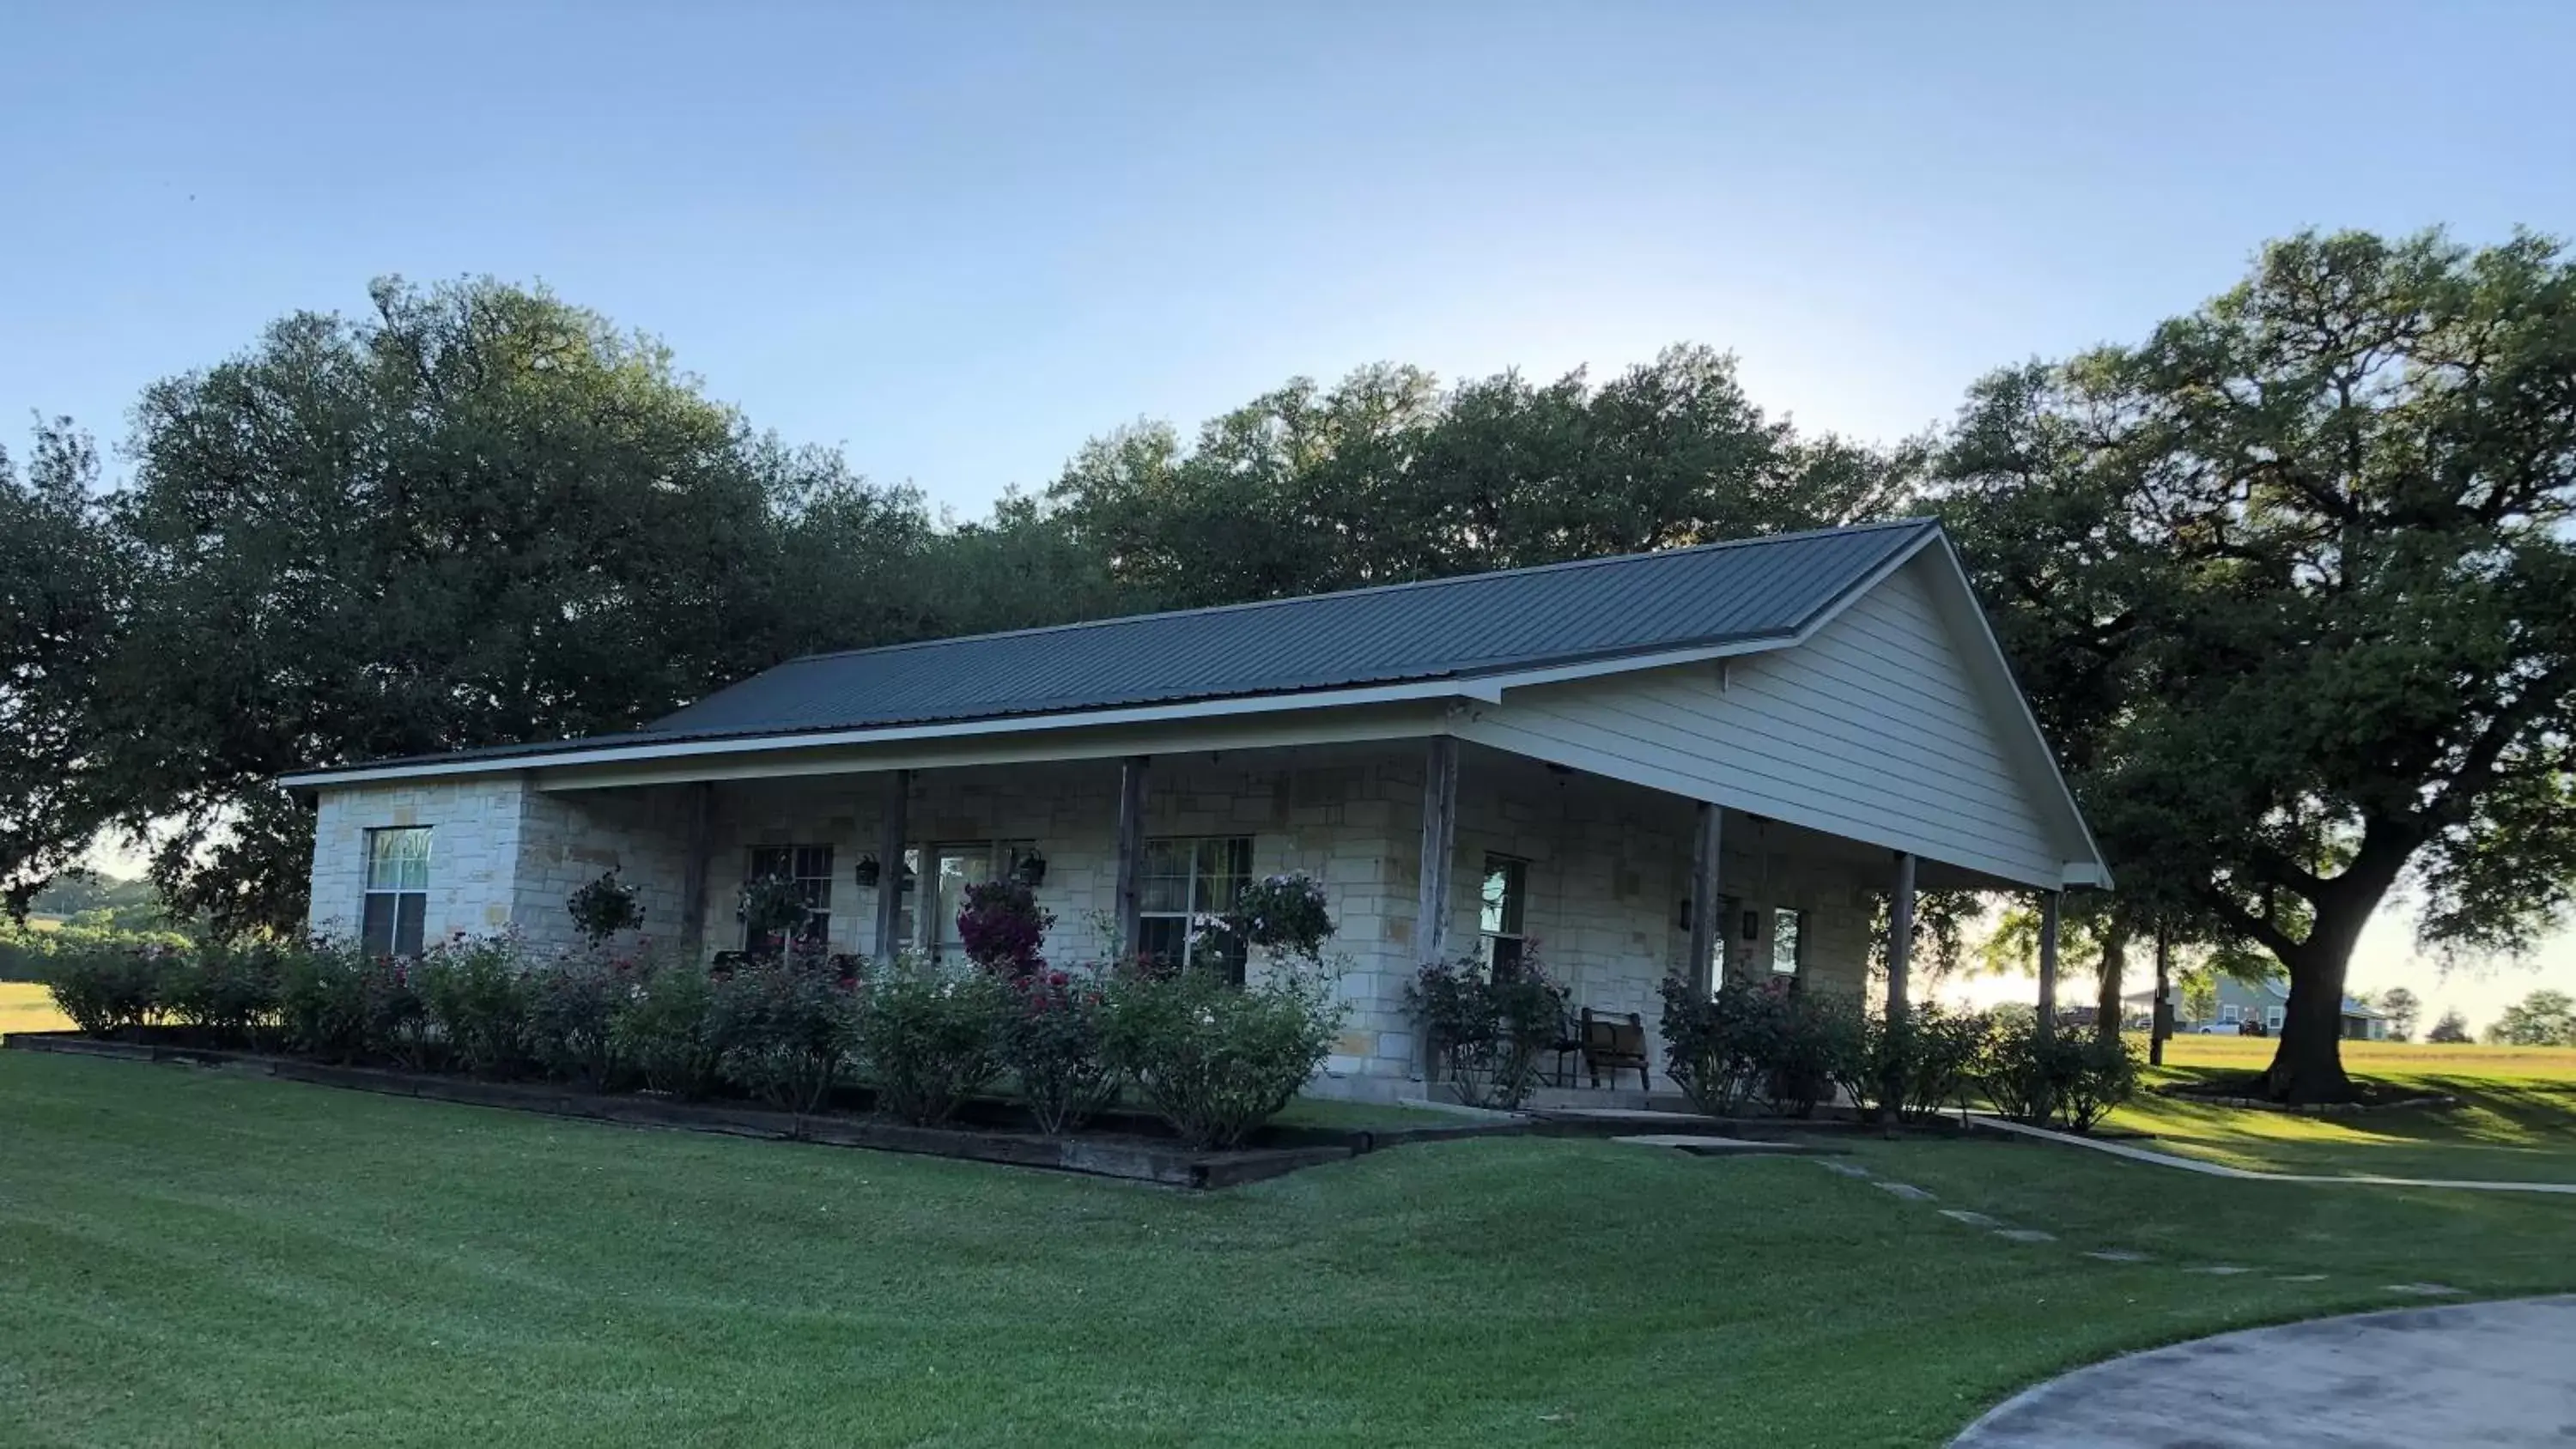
x,y
1585,611
1459,627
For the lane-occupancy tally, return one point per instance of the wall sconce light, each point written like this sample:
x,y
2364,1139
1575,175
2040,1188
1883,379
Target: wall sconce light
x,y
1753,925
868,872
1033,869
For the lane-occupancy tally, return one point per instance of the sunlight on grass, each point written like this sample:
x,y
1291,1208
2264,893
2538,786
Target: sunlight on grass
x,y
24,1006
2515,1119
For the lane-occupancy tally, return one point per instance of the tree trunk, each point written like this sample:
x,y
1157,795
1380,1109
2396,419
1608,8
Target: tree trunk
x,y
2115,963
2307,1067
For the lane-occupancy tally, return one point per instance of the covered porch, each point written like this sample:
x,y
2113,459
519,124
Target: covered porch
x,y
1430,848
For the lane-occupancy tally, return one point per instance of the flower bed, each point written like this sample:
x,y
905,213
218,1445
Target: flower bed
x,y
817,1042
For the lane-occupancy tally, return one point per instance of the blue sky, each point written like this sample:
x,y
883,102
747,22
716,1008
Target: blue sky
x,y
956,240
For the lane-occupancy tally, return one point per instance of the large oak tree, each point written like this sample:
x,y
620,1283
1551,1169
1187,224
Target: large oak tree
x,y
2304,559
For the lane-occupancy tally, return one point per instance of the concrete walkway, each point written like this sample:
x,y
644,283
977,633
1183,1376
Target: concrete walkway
x,y
2219,1169
2494,1375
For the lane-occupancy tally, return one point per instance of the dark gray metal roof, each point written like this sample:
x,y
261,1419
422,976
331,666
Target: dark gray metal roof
x,y
1402,633
1453,628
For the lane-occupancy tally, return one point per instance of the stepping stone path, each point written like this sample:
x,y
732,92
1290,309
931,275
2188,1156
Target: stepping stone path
x,y
1986,1222
1703,1146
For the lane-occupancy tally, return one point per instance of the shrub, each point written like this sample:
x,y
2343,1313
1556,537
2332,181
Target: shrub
x,y
476,997
1489,1030
228,991
2068,1079
1931,1060
929,1037
1053,1039
322,1000
107,990
1217,1060
1803,1043
1708,1044
2105,1076
778,1026
662,1028
572,1008
605,907
393,1017
1003,927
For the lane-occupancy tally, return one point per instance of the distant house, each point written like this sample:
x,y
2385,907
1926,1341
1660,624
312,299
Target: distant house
x,y
1670,764
2270,1004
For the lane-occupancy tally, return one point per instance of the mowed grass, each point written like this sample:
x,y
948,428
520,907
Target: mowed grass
x,y
25,1006
205,1257
2515,1122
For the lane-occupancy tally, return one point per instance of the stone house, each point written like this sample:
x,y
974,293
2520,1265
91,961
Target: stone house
x,y
1560,761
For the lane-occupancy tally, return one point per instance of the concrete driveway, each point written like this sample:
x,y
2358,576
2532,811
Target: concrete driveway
x,y
2494,1375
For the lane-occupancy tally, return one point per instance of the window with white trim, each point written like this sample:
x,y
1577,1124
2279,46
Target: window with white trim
x,y
2230,1014
1182,880
1502,909
397,891
2273,1016
1788,941
810,866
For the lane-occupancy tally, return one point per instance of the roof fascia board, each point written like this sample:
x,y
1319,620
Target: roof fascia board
x,y
1442,689
1365,724
1631,663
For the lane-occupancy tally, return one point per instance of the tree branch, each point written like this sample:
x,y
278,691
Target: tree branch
x,y
2478,764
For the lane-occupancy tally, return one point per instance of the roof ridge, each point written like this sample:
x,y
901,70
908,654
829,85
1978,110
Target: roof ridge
x,y
1916,521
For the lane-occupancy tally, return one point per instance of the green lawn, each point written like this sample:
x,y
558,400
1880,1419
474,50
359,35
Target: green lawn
x,y
2516,1121
195,1256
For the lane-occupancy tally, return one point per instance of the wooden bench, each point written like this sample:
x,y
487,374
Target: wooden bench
x,y
1616,1044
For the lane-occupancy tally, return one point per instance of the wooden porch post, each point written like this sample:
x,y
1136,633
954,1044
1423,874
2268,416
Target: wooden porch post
x,y
1439,843
890,835
693,875
1131,853
2160,1013
1900,952
2049,903
1707,931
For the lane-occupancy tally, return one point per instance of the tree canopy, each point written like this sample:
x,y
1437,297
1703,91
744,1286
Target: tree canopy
x,y
2289,579
2544,1018
2286,581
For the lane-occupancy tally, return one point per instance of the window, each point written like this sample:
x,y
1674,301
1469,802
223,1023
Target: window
x,y
954,867
1788,941
397,898
2230,1015
2273,1016
1501,904
810,866
1184,879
